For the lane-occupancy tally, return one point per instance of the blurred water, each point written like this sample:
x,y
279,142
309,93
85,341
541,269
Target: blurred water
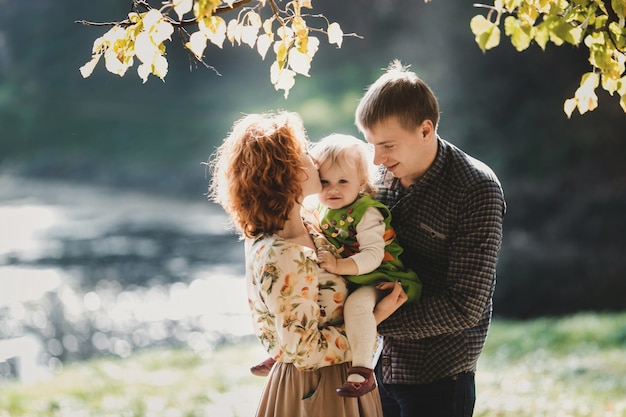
x,y
88,271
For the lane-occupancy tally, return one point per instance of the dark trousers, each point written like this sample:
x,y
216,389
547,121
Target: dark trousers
x,y
449,397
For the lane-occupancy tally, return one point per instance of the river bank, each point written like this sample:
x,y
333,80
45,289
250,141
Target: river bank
x,y
89,271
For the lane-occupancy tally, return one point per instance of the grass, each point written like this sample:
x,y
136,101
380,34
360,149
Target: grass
x,y
163,383
568,367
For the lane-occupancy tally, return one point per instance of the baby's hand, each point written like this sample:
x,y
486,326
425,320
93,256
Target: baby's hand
x,y
327,261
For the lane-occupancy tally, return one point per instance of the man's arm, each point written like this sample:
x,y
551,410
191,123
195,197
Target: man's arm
x,y
471,272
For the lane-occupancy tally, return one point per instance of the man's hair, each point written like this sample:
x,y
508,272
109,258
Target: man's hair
x,y
398,93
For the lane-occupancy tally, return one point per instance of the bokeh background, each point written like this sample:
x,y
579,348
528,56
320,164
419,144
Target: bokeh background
x,y
107,242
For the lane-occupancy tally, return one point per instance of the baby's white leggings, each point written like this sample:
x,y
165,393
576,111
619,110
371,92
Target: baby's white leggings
x,y
358,315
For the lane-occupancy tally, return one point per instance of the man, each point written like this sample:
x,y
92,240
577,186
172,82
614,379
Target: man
x,y
447,210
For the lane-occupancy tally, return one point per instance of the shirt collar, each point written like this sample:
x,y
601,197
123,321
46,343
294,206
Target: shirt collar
x,y
435,169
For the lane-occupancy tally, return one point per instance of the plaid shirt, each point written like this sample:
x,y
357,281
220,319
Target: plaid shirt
x,y
450,225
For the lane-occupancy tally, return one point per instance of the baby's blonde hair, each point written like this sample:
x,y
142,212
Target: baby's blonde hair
x,y
346,150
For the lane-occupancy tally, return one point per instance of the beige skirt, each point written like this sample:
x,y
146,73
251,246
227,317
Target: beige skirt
x,y
289,392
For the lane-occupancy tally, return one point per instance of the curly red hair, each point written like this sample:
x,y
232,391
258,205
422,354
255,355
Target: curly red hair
x,y
256,171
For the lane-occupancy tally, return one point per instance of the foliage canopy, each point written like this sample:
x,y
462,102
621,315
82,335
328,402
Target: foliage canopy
x,y
143,34
593,23
288,32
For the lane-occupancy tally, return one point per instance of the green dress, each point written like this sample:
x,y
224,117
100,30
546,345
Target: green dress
x,y
339,226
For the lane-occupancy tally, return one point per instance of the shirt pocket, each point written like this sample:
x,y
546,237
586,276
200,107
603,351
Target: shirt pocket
x,y
431,232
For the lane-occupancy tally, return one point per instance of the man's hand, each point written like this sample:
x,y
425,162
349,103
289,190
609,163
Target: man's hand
x,y
391,302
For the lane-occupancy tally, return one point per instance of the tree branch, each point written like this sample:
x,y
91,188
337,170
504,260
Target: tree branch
x,y
182,23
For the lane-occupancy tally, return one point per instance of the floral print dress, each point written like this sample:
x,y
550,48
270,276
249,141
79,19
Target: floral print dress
x,y
296,306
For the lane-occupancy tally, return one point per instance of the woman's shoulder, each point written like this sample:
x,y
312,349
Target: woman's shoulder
x,y
265,246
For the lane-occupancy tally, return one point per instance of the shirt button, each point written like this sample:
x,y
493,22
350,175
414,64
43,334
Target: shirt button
x,y
386,361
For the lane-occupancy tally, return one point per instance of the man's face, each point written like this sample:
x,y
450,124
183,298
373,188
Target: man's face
x,y
407,154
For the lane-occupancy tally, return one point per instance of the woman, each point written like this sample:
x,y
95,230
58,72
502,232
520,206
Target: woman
x,y
261,175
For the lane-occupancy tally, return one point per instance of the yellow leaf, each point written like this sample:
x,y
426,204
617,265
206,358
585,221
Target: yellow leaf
x,y
284,32
113,35
159,66
197,44
569,106
588,103
205,8
517,31
487,33
87,69
145,49
134,17
143,71
274,72
479,24
151,18
113,63
527,13
162,31
282,78
214,29
267,25
263,44
253,19
335,34
585,94
312,46
588,82
619,7
299,27
233,31
281,48
249,35
299,62
621,86
182,7
99,45
542,35
610,84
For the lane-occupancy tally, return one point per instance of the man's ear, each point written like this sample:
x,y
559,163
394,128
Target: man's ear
x,y
427,128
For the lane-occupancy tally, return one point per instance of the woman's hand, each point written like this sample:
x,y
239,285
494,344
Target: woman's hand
x,y
390,302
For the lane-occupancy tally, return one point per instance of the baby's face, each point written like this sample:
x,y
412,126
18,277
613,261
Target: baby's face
x,y
340,185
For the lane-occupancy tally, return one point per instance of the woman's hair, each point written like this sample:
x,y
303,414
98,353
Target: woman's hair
x,y
256,172
398,93
346,151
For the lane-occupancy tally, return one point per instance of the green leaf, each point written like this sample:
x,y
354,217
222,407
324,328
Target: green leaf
x,y
619,7
487,34
618,35
565,32
542,35
519,33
